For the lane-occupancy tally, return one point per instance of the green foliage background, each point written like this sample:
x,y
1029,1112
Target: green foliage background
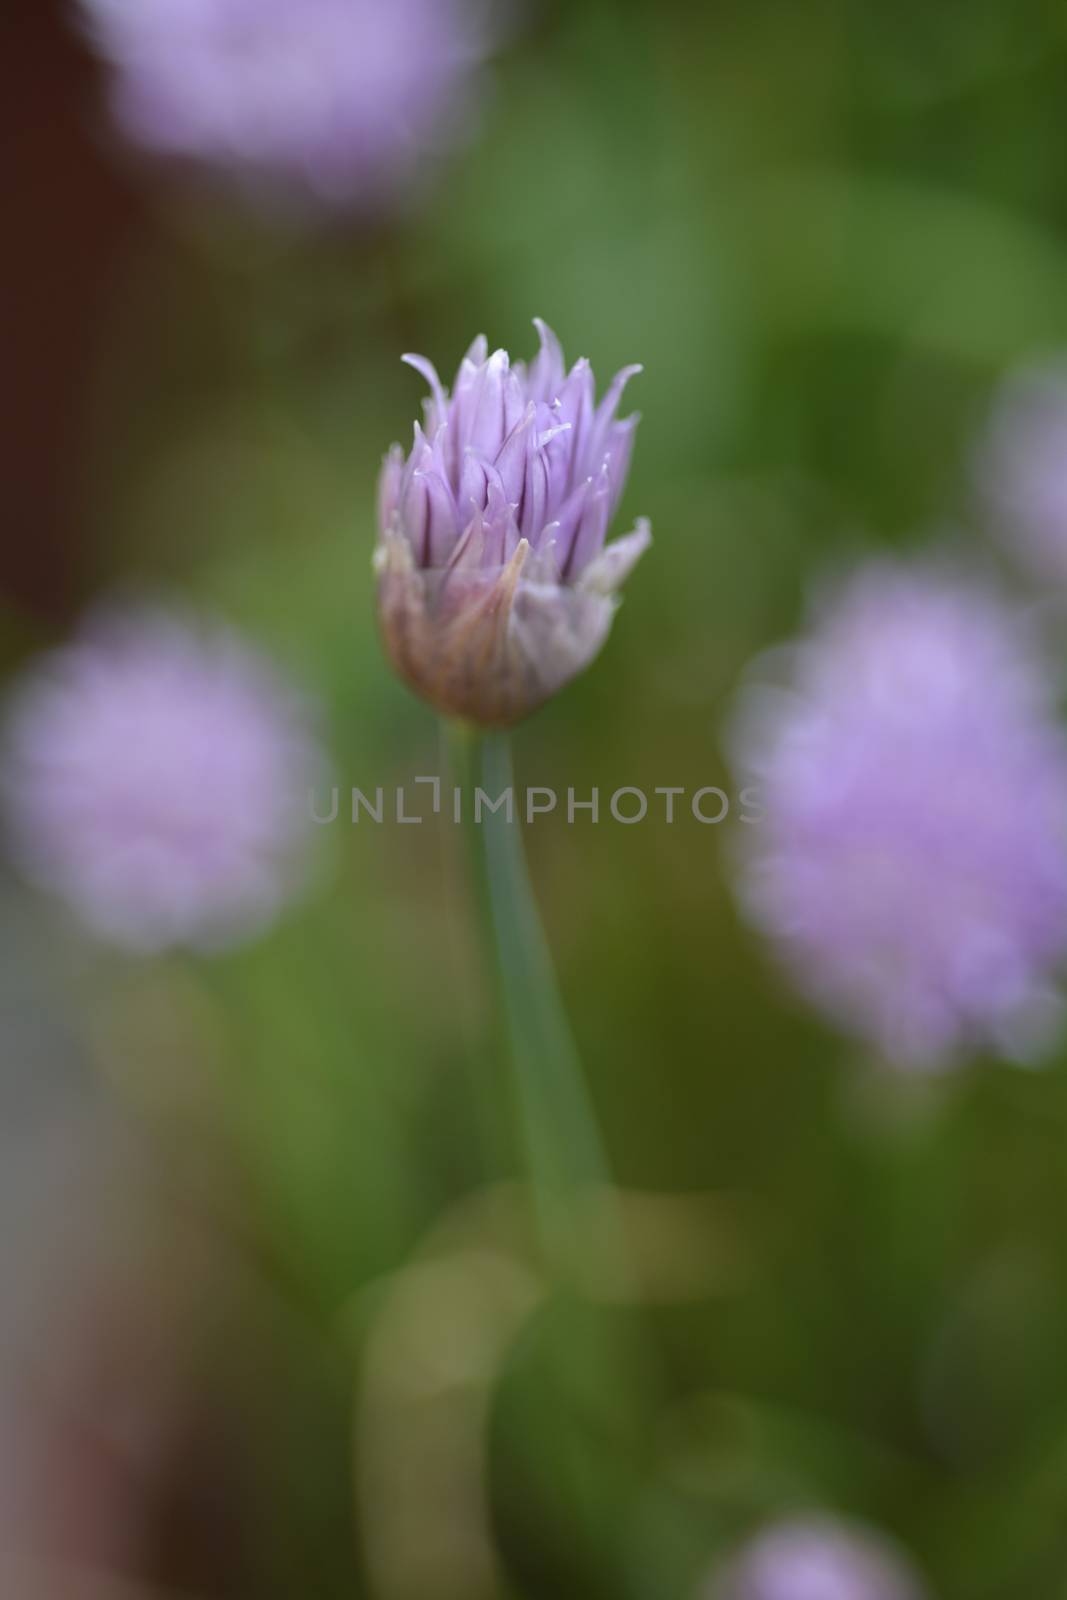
x,y
826,229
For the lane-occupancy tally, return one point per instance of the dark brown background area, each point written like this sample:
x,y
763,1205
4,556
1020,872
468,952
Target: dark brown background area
x,y
69,212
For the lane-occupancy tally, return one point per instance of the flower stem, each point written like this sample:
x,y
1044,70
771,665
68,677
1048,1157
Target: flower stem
x,y
567,1166
605,1380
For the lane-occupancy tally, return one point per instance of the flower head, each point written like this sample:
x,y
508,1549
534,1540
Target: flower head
x,y
911,865
817,1558
341,100
495,583
154,775
1021,469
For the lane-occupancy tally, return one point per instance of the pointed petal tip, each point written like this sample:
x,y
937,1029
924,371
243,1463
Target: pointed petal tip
x,y
475,355
552,433
508,578
426,370
623,376
639,538
518,560
608,571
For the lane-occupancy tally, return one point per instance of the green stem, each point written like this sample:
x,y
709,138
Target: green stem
x,y
594,1438
568,1167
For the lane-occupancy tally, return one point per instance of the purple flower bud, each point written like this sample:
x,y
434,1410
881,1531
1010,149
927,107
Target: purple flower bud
x,y
911,865
155,776
339,99
817,1558
1021,469
495,583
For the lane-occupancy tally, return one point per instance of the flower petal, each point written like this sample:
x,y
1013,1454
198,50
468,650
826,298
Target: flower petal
x,y
608,571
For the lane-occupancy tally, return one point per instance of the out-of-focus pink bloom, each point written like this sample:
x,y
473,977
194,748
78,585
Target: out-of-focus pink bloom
x,y
340,99
817,1558
495,583
1021,469
911,866
154,775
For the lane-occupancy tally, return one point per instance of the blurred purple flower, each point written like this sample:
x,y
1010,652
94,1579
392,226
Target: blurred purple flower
x,y
155,776
1021,469
912,862
495,583
817,1558
342,99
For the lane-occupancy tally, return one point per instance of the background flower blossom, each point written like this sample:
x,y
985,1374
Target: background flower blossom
x,y
344,99
817,1558
496,586
912,864
154,776
1021,469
